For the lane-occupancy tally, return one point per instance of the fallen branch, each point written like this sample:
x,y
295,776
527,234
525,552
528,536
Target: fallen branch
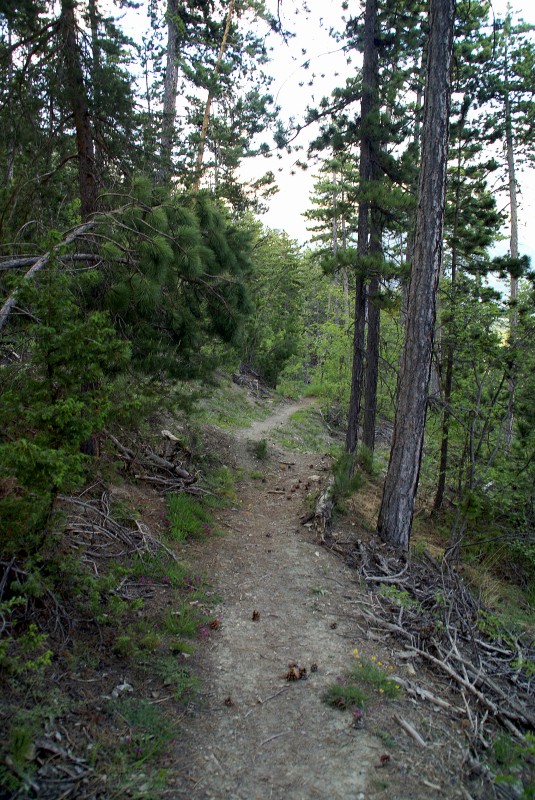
x,y
150,459
500,714
270,738
261,702
28,261
408,728
418,691
38,265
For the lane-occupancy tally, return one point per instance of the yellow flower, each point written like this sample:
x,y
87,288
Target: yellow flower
x,y
379,663
374,658
381,691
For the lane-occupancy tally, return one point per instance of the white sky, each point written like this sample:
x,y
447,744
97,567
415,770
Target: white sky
x,y
287,207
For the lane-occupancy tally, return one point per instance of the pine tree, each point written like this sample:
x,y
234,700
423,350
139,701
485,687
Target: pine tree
x,y
507,94
395,516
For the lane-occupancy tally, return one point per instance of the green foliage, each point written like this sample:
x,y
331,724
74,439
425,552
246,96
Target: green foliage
x,y
346,480
24,651
188,517
346,696
52,404
148,731
271,335
305,432
183,284
512,763
222,482
260,449
369,679
176,677
226,406
400,597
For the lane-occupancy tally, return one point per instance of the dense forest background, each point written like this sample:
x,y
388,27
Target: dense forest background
x,y
131,252
134,262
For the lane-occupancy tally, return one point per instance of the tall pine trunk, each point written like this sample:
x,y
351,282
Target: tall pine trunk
x,y
368,105
170,84
373,336
449,348
77,94
397,507
513,251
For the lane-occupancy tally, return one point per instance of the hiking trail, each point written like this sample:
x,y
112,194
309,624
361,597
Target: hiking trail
x,y
253,734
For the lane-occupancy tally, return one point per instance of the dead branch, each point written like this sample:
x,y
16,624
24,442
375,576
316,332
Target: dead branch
x,y
28,261
408,728
38,265
418,691
148,459
501,714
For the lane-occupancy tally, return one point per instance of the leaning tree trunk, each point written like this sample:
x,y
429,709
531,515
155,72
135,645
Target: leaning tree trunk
x,y
368,105
397,507
77,94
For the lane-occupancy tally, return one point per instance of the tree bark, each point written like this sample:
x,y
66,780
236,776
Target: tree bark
x,y
368,105
397,507
77,94
170,84
335,247
513,251
450,323
372,340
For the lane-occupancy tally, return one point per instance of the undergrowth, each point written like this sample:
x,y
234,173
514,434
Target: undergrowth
x,y
305,432
124,625
228,408
365,684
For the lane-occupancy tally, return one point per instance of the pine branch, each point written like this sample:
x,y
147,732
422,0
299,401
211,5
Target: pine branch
x,y
28,261
38,265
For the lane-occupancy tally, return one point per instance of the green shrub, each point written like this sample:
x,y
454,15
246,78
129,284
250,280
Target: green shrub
x,y
50,405
188,517
260,449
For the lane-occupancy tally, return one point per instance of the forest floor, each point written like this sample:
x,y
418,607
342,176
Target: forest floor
x,y
287,604
148,705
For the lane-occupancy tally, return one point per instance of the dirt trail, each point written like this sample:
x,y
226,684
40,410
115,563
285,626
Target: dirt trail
x,y
260,428
254,735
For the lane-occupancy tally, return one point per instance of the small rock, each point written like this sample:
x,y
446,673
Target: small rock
x,y
121,688
170,436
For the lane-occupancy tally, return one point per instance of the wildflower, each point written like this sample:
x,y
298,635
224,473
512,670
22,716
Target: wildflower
x,y
381,691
